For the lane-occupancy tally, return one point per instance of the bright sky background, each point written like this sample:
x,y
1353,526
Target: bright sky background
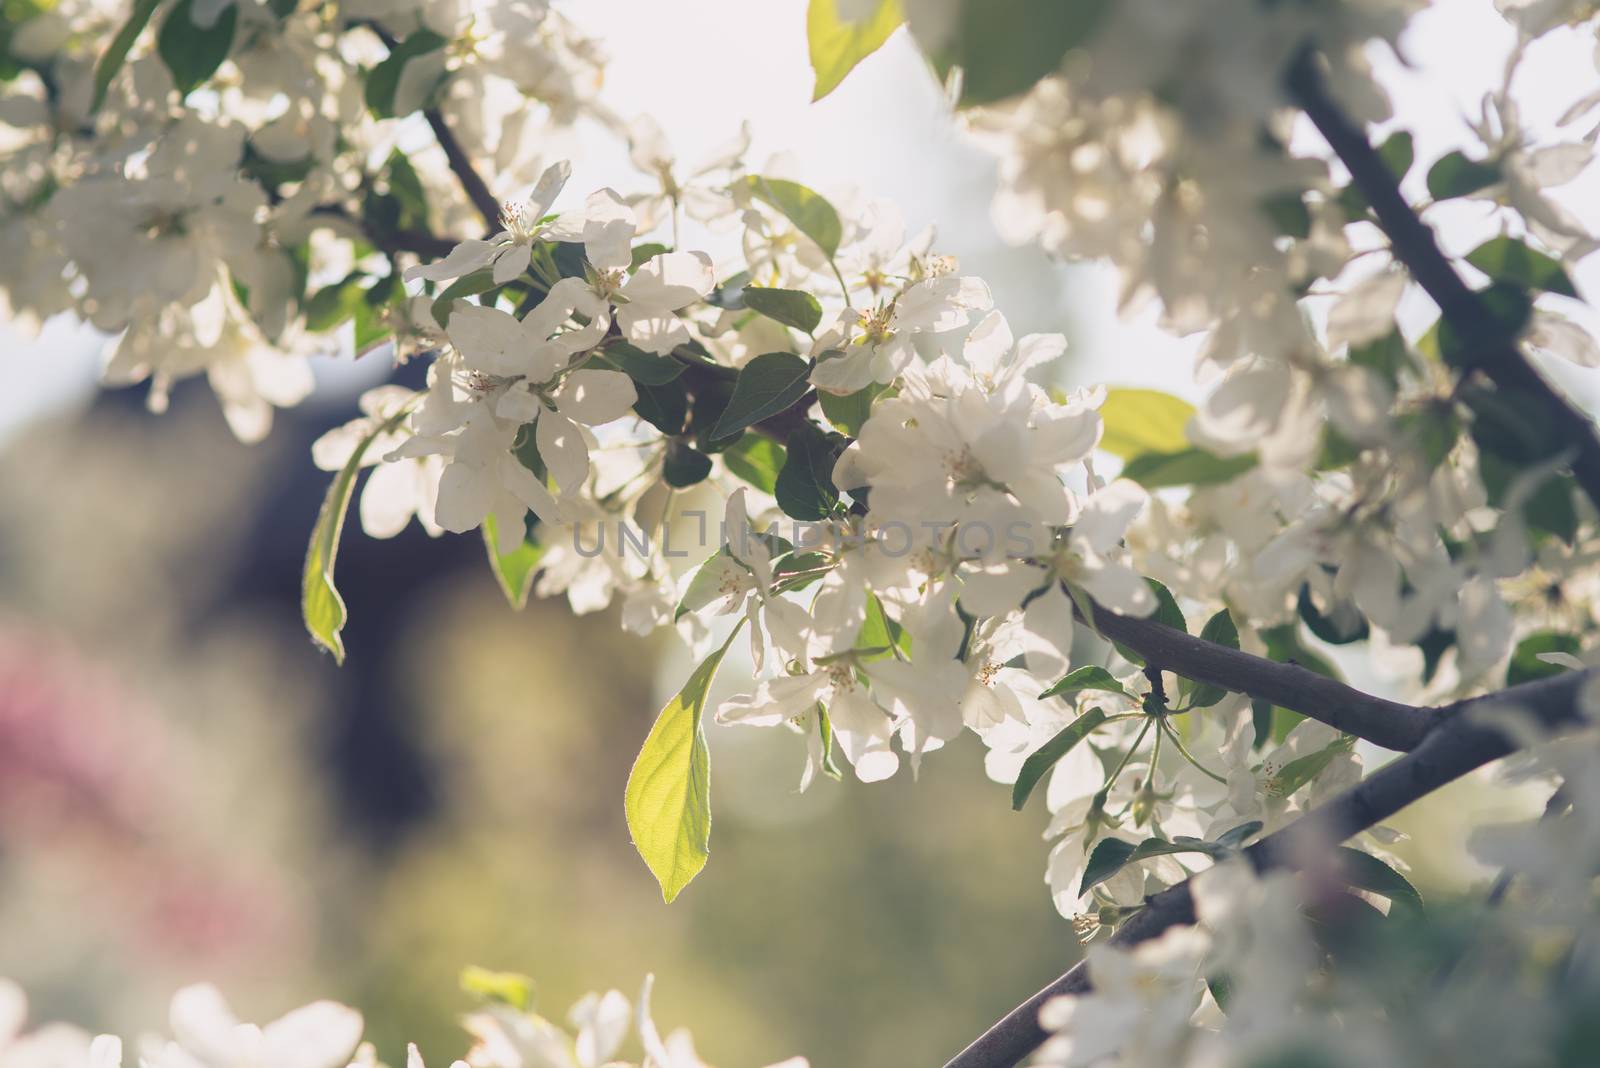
x,y
702,66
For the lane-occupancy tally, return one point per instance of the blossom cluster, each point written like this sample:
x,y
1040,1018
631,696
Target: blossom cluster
x,y
1291,968
253,160
505,1033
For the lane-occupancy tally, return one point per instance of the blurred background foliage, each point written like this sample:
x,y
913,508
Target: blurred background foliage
x,y
188,790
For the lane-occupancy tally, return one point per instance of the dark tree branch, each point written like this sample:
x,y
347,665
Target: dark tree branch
x,y
1459,742
471,182
1389,724
1497,354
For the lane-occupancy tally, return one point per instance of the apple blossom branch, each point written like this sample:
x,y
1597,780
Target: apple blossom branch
x,y
1461,737
1413,244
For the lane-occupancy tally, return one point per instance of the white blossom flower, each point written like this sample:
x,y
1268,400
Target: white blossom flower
x,y
206,1034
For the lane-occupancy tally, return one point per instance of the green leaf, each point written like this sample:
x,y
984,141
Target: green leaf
x,y
1004,46
810,213
771,383
1509,259
117,52
514,571
1090,677
331,306
320,604
1140,421
1366,872
1221,988
1219,629
848,413
1455,175
1261,715
837,44
756,459
1302,770
405,188
1105,860
665,407
805,487
684,465
1191,467
193,53
1388,356
1234,837
384,79
645,368
508,988
1047,755
1525,664
1549,509
668,797
1342,625
791,307
1509,424
1167,611
1288,213
468,285
1398,152
1111,855
643,254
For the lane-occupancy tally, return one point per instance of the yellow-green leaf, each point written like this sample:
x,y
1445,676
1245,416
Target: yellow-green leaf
x,y
837,44
320,604
514,570
508,988
668,798
1140,421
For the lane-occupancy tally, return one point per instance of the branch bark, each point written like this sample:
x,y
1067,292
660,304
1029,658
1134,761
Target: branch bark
x,y
1414,245
1458,742
1389,724
472,183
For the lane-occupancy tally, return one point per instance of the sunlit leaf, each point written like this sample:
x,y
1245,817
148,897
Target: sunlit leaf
x,y
514,571
1140,421
668,797
838,44
320,604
